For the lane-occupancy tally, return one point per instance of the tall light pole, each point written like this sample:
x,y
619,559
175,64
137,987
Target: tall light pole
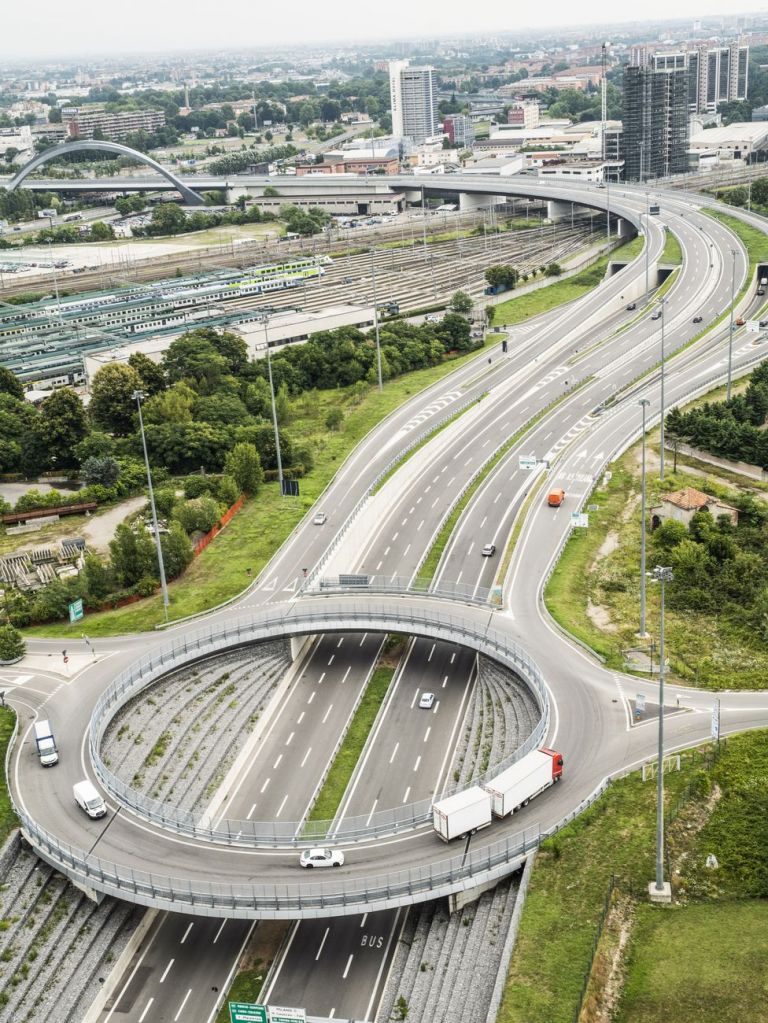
x,y
730,328
661,402
647,244
137,396
424,220
643,403
662,576
274,408
376,319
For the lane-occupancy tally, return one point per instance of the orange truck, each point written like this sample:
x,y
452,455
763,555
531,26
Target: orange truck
x,y
556,497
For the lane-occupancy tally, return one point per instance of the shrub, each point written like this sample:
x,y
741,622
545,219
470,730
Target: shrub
x,y
12,645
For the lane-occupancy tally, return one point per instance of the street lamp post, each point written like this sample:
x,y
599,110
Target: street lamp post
x,y
274,408
662,576
647,245
661,402
730,328
643,403
137,396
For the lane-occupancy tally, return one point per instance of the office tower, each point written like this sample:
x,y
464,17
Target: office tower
x,y
717,74
655,122
413,96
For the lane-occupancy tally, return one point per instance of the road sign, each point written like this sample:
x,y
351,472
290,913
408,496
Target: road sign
x,y
716,720
579,520
286,1015
75,610
753,326
247,1012
640,703
527,462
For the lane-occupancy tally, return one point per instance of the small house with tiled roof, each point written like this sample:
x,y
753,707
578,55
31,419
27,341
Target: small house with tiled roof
x,y
682,505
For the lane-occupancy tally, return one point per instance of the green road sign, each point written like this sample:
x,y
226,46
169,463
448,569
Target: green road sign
x,y
76,610
247,1012
283,1015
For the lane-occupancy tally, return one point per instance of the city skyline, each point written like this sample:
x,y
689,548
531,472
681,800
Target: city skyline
x,y
49,31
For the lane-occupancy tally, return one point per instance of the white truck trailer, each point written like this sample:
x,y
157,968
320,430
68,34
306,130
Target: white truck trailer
x,y
516,786
462,813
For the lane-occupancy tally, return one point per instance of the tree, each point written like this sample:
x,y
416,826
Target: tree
x,y
168,218
281,403
113,406
257,398
95,445
270,192
501,276
150,373
335,418
461,302
12,644
105,471
10,384
193,357
62,425
177,551
172,406
98,579
132,555
553,270
101,232
228,491
244,466
198,515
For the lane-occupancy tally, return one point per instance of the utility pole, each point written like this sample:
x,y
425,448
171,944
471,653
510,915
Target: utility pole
x,y
274,410
661,455
137,397
662,576
730,328
376,318
643,403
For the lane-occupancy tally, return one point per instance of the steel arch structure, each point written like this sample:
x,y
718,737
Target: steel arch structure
x,y
104,147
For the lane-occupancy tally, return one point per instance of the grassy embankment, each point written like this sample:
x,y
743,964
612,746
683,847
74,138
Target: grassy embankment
x,y
8,819
701,959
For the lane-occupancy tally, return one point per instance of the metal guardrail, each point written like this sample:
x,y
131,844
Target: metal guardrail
x,y
405,586
437,623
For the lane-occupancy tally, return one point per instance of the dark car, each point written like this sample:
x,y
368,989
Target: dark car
x,y
698,319
631,306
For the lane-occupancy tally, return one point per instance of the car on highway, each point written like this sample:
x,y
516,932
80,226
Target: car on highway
x,y
427,701
631,306
698,319
321,858
656,315
763,323
320,519
489,550
740,321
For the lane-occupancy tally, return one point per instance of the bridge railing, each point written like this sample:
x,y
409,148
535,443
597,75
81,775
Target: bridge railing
x,y
439,623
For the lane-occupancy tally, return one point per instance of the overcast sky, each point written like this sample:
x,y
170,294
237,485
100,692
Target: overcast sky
x,y
72,28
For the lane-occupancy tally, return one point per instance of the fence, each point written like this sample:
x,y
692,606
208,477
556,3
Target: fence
x,y
225,519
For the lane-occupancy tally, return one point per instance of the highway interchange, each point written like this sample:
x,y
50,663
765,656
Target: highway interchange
x,y
566,361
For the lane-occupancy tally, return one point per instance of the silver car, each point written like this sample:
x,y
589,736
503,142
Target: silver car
x,y
321,858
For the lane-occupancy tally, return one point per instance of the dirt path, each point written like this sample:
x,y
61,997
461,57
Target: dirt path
x,y
100,529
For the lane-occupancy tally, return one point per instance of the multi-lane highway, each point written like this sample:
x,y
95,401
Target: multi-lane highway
x,y
579,352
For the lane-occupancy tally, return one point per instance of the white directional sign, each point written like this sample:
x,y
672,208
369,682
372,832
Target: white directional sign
x,y
579,520
716,720
753,326
527,462
286,1015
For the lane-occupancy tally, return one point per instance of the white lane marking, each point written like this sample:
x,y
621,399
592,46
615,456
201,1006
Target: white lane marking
x,y
186,933
453,657
407,793
484,522
346,674
405,552
363,639
170,964
386,552
396,536
311,698
365,917
146,1010
280,808
378,566
431,652
327,929
277,762
288,740
416,765
412,510
404,521
218,933
320,680
250,812
330,662
458,577
332,1013
306,757
435,502
426,734
181,1007
415,697
420,525
434,711
369,821
394,751
445,682
300,718
346,968
325,716
341,640
264,786
497,497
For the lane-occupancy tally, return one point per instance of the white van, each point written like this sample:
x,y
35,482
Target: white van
x,y
88,799
46,744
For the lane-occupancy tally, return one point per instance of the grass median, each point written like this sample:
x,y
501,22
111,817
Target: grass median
x,y
8,819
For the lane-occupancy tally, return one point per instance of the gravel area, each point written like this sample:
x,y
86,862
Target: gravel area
x,y
176,742
445,966
55,943
500,716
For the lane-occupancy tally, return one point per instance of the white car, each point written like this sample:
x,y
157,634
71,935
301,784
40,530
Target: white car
x,y
432,318
321,858
489,550
427,701
320,519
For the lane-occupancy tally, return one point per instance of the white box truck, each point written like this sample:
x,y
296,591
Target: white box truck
x,y
462,813
88,799
516,786
46,744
